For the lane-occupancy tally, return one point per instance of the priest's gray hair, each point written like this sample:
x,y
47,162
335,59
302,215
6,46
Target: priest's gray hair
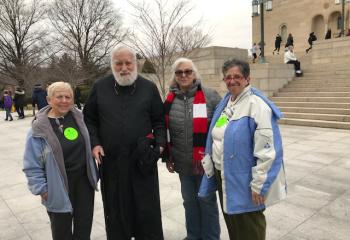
x,y
123,48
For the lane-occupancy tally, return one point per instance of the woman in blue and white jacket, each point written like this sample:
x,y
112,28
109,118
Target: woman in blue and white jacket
x,y
244,152
59,166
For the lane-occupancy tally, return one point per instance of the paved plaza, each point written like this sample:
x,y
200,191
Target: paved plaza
x,y
317,162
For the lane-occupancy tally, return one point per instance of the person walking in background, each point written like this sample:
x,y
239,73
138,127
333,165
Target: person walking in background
x,y
39,97
290,40
310,40
59,165
254,50
125,117
7,100
189,108
290,58
278,41
77,95
19,100
328,34
244,155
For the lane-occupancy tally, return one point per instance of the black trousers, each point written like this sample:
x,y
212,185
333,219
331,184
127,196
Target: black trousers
x,y
20,110
81,195
277,48
308,49
296,64
249,225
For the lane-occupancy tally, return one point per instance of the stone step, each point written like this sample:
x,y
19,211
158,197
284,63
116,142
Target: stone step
x,y
327,69
318,116
315,89
337,73
325,76
312,94
312,99
308,85
313,105
330,79
321,80
340,111
315,123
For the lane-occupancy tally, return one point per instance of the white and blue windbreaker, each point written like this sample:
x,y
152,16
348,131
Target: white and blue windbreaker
x,y
252,154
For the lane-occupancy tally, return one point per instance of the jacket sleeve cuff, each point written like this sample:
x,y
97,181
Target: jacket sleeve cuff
x,y
208,166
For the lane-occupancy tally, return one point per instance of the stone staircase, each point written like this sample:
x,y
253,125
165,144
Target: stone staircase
x,y
321,98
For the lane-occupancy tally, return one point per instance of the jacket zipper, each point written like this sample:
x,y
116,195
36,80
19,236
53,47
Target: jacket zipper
x,y
185,126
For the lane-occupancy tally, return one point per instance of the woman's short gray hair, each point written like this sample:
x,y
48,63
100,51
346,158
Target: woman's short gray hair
x,y
59,86
242,65
180,61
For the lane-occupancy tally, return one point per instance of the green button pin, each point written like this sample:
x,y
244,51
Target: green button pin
x,y
71,133
222,121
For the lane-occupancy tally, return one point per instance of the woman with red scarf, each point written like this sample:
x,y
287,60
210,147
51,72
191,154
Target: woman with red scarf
x,y
189,108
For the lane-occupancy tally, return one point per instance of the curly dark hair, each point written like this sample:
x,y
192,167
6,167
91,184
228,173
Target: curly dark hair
x,y
242,65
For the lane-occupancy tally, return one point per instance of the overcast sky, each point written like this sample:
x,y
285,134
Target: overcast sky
x,y
230,20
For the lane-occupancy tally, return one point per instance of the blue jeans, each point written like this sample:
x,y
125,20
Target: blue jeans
x,y
202,214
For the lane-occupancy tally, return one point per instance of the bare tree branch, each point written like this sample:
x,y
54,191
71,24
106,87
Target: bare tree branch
x,y
21,38
157,34
189,38
88,29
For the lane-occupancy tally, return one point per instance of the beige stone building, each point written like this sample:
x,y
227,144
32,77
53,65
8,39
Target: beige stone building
x,y
300,17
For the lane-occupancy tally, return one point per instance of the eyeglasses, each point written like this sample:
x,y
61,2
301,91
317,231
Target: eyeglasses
x,y
180,73
234,77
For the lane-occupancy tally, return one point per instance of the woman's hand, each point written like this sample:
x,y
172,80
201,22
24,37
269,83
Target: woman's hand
x,y
257,198
44,196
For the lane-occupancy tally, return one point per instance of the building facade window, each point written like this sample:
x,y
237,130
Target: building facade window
x,y
284,32
339,22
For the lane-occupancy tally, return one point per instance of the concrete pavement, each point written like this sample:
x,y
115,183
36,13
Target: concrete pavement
x,y
317,207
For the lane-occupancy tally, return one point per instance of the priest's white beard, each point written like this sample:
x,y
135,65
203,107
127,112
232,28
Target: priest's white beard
x,y
125,80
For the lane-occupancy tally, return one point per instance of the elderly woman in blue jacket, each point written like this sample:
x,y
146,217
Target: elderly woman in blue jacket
x,y
59,166
244,155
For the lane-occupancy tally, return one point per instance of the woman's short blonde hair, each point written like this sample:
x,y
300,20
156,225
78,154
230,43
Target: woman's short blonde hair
x,y
59,86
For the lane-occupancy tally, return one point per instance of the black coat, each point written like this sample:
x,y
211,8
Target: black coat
x,y
311,38
119,118
19,98
278,41
77,94
290,41
39,98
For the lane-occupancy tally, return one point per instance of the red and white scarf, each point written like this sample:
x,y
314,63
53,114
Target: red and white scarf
x,y
199,125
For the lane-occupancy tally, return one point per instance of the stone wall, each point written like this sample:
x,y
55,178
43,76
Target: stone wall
x,y
209,62
270,77
333,52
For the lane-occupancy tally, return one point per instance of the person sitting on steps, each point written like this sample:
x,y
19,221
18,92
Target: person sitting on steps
x,y
290,58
